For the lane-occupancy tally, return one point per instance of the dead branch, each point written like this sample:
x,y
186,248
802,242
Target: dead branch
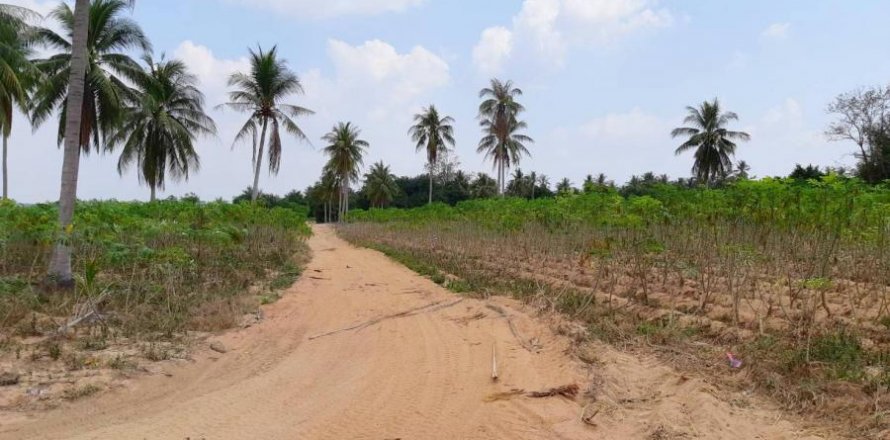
x,y
567,391
512,326
438,305
86,312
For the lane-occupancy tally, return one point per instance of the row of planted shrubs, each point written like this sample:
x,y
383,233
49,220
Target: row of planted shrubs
x,y
163,267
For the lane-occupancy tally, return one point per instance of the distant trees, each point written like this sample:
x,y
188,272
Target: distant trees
x,y
529,186
810,172
433,133
863,117
380,185
564,187
345,152
502,139
483,187
259,93
713,143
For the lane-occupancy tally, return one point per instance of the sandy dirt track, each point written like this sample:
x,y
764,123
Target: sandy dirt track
x,y
422,376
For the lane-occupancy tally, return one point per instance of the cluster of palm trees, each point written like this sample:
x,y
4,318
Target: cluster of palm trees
x,y
433,134
151,112
105,100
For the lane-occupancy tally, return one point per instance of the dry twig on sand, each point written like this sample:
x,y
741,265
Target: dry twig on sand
x,y
85,313
512,326
568,391
438,305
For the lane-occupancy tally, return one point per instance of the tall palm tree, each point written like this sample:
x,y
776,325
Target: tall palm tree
x,y
498,114
260,93
108,66
380,185
345,151
16,73
713,143
162,124
504,151
80,55
433,134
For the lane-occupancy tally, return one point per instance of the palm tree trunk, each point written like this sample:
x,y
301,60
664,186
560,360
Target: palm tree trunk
x,y
154,195
501,178
431,184
345,197
5,168
342,203
60,264
259,162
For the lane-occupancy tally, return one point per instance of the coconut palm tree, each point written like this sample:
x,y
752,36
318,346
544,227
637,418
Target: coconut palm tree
x,y
564,187
162,124
504,150
380,185
73,121
713,143
743,170
329,187
345,151
16,73
108,66
498,114
260,93
432,133
483,187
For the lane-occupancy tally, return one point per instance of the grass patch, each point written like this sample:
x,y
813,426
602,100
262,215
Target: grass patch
x,y
80,392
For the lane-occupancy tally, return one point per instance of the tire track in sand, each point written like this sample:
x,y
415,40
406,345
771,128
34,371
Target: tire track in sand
x,y
423,376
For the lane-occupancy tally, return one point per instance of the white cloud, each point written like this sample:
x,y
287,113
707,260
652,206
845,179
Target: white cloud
x,y
331,8
785,135
776,31
552,27
493,49
212,72
374,81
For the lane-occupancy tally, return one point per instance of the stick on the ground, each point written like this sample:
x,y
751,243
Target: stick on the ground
x,y
438,305
568,391
85,313
494,363
513,330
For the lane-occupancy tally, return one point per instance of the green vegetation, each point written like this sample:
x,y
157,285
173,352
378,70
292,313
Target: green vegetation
x,y
792,276
161,267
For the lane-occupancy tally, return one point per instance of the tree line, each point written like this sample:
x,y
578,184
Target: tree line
x,y
151,113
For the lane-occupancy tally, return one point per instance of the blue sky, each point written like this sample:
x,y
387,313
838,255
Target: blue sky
x,y
605,81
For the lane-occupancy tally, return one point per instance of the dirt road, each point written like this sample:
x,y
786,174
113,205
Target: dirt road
x,y
422,376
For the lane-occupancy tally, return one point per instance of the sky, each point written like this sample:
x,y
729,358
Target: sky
x,y
604,82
